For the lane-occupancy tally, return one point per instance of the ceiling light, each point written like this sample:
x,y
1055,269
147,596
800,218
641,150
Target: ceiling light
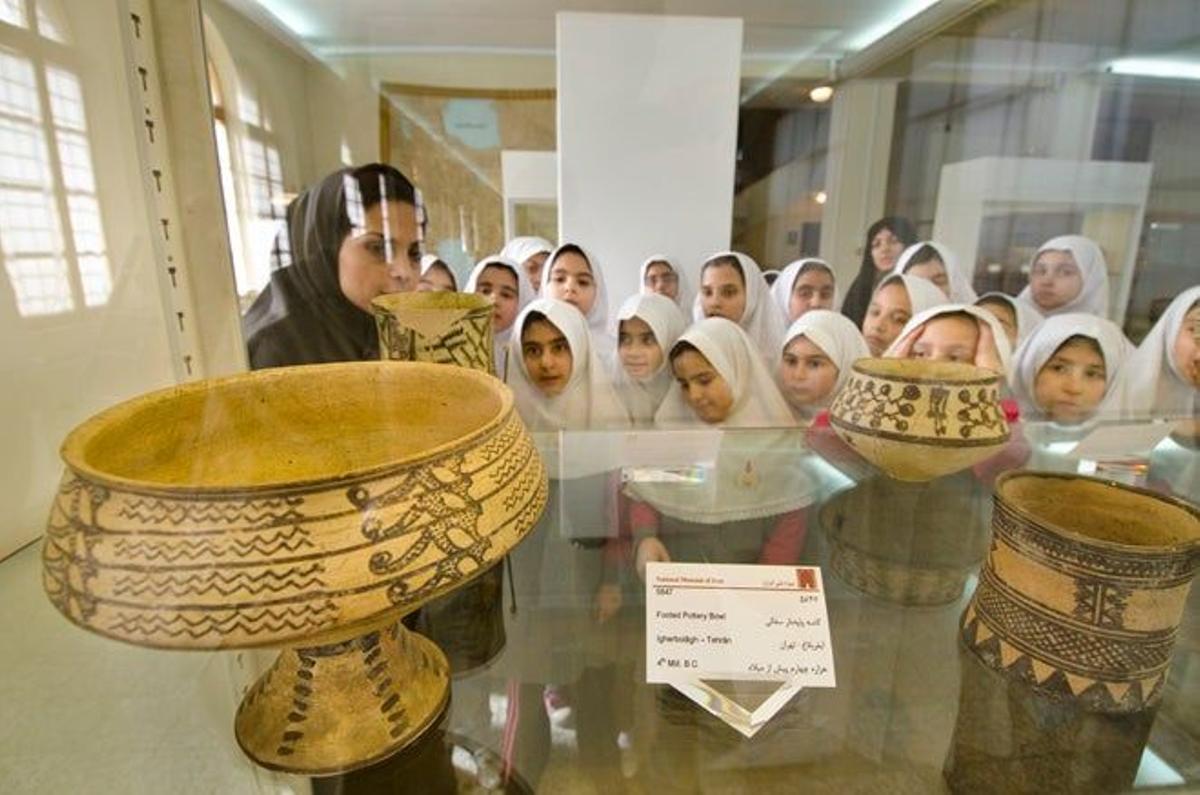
x,y
820,197
1156,67
821,94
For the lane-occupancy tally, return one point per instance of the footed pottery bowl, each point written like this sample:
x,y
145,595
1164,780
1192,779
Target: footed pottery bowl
x,y
301,507
918,420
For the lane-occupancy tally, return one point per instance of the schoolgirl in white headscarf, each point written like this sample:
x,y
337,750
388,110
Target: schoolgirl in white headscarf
x,y
1092,295
568,288
958,282
759,318
521,250
733,355
1024,318
643,394
833,334
920,338
1163,376
825,297
432,267
508,304
882,323
1046,340
681,291
588,399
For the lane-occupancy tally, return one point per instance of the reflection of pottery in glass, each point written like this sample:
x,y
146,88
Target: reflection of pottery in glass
x,y
1084,587
443,328
917,419
456,329
906,543
306,507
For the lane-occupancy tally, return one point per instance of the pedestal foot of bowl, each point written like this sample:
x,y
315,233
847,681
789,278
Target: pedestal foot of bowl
x,y
340,706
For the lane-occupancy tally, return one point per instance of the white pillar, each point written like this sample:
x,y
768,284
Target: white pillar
x,y
860,148
647,133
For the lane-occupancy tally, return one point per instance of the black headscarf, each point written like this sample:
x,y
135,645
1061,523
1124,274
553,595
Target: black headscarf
x,y
303,317
858,297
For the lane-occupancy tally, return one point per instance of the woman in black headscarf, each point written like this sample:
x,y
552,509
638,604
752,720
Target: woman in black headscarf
x,y
349,238
886,239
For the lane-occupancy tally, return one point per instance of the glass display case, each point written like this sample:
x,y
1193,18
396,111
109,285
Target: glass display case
x,y
304,566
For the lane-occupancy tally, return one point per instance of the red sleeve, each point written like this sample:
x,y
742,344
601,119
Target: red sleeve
x,y
786,542
642,518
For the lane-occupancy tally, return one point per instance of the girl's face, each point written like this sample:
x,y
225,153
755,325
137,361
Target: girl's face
x,y
1185,352
723,292
1005,315
1055,279
886,248
1070,386
806,374
638,348
935,271
499,284
436,280
547,356
571,280
374,260
947,338
812,289
708,394
533,269
890,309
661,279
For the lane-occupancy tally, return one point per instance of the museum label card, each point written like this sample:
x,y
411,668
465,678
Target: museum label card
x,y
737,622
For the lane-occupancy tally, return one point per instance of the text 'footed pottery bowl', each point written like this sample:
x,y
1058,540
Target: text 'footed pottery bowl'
x,y
307,507
1083,588
918,420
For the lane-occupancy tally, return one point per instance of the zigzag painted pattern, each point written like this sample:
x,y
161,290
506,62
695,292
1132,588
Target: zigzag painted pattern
x,y
172,550
296,578
223,623
253,513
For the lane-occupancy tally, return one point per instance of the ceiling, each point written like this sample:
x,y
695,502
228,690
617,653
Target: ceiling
x,y
774,29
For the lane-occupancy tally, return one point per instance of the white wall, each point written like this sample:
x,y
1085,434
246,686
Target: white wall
x,y
647,133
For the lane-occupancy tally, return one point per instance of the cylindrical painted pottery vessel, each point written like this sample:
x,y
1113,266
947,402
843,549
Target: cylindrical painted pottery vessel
x,y
916,419
1068,637
449,328
441,327
307,507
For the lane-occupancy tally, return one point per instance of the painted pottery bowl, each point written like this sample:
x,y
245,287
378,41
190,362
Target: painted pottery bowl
x,y
1083,588
271,506
918,420
306,507
443,328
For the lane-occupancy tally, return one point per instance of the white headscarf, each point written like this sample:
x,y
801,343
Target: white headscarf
x,y
756,399
833,333
1002,351
1049,337
643,397
961,291
587,401
429,260
1152,381
759,319
681,293
1093,296
922,293
524,296
781,290
597,316
1027,319
520,249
